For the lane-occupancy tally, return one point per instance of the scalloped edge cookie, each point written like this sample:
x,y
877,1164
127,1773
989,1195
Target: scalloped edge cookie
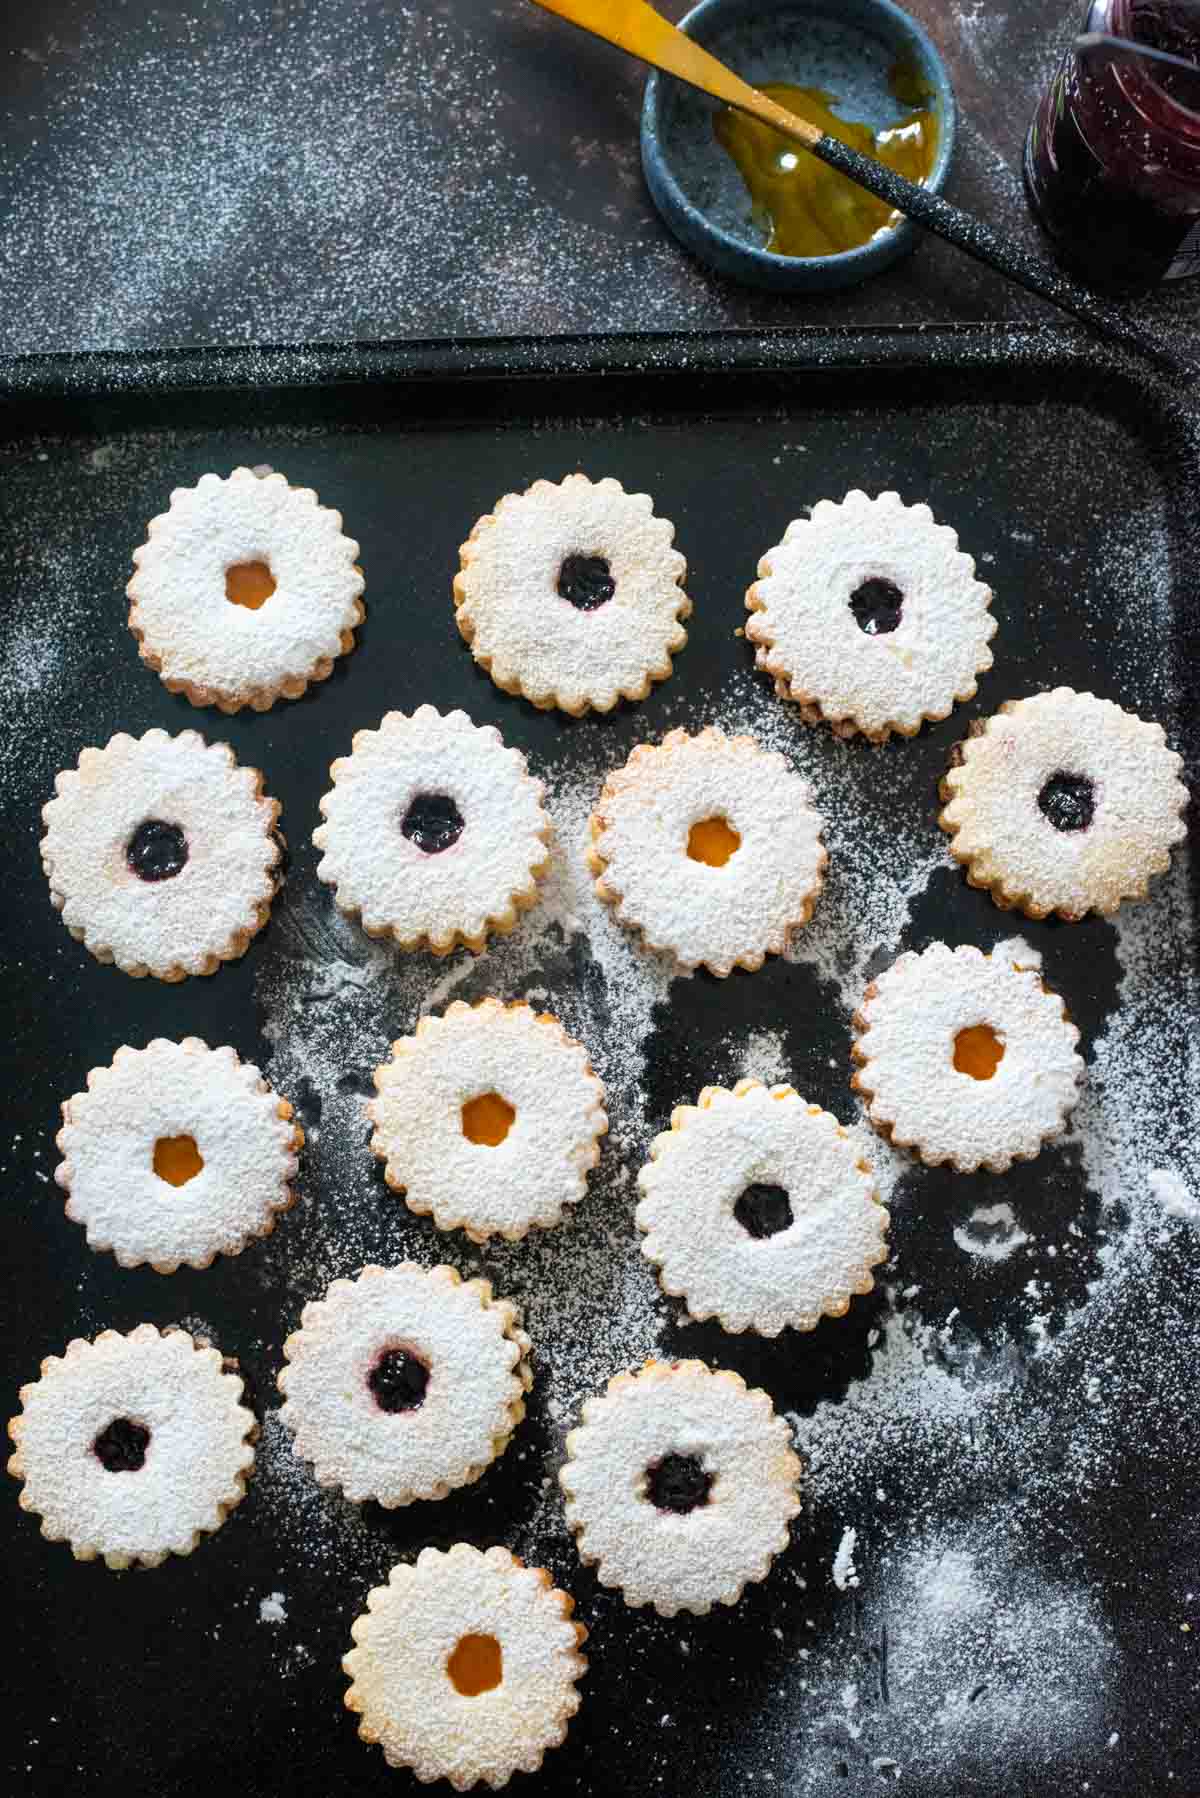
x,y
390,885
853,680
689,1561
248,1190
700,1252
398,1457
532,641
541,1166
997,774
46,1477
404,1698
718,917
86,867
178,603
910,1064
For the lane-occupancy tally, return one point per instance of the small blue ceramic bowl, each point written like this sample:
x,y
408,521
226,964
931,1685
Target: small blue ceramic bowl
x,y
848,48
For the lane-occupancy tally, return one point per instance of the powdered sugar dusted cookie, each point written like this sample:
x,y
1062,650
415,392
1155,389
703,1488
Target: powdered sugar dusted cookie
x,y
162,853
465,1666
680,1485
1064,803
489,1118
132,1447
244,591
434,831
710,847
175,1154
870,617
758,1210
965,1058
571,595
404,1382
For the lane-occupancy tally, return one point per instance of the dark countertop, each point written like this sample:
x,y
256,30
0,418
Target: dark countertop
x,y
296,169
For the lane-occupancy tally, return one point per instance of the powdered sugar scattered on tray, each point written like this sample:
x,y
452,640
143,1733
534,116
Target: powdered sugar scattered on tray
x,y
991,1233
978,1654
1169,1189
762,1056
845,1573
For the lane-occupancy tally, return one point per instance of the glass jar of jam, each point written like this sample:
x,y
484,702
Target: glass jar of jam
x,y
1112,160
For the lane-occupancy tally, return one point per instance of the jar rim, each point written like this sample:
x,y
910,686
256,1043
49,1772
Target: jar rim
x,y
1136,78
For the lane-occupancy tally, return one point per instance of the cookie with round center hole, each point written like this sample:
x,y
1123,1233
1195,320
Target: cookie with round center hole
x,y
434,832
465,1666
1063,803
162,853
489,1119
758,1210
571,594
680,1485
710,847
404,1383
244,591
176,1154
132,1447
966,1058
870,618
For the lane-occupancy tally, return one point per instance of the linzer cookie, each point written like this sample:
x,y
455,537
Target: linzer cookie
x,y
571,595
710,847
966,1058
680,1486
132,1447
488,1118
870,617
465,1666
758,1211
434,831
404,1382
175,1154
1064,803
245,591
162,853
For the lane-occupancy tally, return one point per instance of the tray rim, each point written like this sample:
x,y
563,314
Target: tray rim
x,y
160,371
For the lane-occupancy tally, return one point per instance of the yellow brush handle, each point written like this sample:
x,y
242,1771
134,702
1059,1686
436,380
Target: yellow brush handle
x,y
633,25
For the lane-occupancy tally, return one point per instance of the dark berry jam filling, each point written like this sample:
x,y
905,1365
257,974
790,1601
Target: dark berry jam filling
x,y
763,1211
1068,800
121,1446
398,1380
433,822
586,581
678,1483
156,851
877,606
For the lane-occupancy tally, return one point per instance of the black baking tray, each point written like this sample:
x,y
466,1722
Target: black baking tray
x,y
1074,473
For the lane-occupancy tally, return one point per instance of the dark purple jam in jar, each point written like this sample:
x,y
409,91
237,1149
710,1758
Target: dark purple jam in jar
x,y
1112,161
